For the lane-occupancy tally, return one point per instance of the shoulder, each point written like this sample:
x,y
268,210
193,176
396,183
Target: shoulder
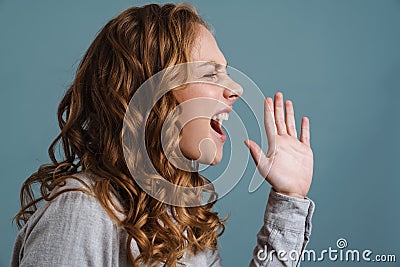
x,y
72,228
71,218
75,208
79,207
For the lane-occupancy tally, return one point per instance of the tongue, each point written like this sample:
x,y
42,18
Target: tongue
x,y
216,126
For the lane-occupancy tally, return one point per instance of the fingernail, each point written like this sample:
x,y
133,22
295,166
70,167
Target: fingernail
x,y
246,142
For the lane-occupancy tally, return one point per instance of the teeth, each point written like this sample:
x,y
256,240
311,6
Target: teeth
x,y
221,117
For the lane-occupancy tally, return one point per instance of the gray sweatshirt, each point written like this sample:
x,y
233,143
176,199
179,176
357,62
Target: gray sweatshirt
x,y
74,230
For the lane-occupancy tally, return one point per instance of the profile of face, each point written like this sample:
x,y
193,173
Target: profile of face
x,y
208,102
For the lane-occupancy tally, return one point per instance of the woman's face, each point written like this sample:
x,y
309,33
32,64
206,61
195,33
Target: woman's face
x,y
207,103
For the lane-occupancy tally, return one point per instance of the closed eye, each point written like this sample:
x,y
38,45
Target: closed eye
x,y
211,75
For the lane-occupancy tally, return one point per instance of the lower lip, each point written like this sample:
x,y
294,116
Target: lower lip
x,y
221,137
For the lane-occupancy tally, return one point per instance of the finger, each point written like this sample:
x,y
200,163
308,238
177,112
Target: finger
x,y
269,121
279,113
305,131
258,156
290,121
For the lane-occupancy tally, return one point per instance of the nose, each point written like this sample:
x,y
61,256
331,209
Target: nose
x,y
232,91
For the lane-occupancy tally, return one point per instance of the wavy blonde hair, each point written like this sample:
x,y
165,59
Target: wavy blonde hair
x,y
132,47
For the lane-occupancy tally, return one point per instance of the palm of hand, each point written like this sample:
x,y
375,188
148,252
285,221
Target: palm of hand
x,y
288,165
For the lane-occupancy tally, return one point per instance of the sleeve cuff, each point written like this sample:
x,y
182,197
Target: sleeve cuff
x,y
289,213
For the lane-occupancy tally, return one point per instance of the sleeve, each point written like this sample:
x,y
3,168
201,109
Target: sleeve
x,y
74,230
284,235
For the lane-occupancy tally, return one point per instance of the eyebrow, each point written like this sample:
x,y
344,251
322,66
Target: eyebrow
x,y
214,63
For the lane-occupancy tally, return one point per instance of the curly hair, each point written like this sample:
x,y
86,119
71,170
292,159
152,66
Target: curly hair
x,y
135,45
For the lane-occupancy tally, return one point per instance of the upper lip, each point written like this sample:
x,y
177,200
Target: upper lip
x,y
225,110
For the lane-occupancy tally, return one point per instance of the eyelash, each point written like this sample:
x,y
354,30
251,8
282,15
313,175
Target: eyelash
x,y
214,75
211,75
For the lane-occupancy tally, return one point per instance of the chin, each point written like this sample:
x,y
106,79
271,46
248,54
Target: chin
x,y
207,159
216,160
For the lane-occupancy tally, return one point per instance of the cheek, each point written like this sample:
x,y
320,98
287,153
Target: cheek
x,y
193,132
198,90
196,136
196,142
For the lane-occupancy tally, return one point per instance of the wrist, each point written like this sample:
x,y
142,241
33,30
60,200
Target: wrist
x,y
290,194
295,195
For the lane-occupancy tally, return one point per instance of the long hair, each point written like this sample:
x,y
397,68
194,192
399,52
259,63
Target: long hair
x,y
135,45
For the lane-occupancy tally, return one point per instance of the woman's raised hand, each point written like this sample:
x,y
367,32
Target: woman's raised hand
x,y
292,161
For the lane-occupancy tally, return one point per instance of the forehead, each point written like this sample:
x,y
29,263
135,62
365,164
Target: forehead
x,y
206,48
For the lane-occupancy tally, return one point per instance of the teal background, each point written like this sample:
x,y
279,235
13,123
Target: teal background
x,y
339,61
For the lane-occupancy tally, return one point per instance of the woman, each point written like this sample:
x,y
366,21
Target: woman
x,y
95,211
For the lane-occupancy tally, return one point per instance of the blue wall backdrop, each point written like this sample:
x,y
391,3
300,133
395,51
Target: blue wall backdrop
x,y
338,60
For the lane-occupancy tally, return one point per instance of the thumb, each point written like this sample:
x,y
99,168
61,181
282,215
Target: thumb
x,y
261,161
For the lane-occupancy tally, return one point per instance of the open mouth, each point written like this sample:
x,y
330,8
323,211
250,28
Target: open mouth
x,y
216,126
216,122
